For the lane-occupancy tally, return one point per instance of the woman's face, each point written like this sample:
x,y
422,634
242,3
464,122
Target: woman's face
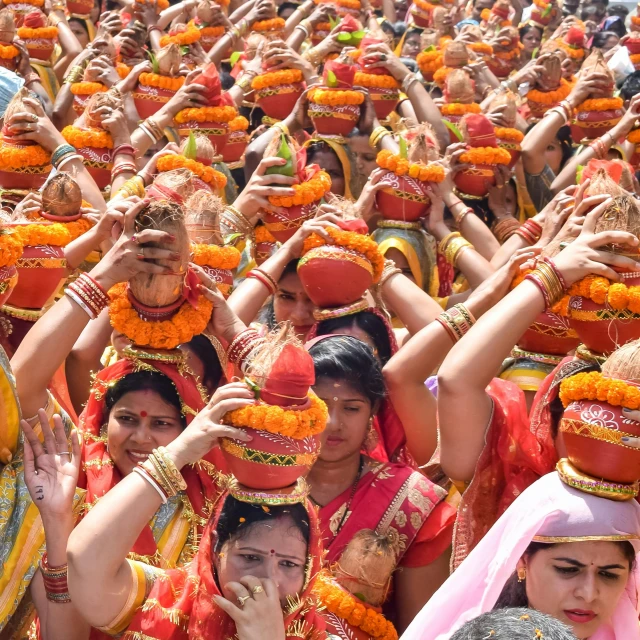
x,y
531,40
292,303
411,46
553,155
610,42
579,583
328,161
349,416
79,32
140,422
365,157
274,550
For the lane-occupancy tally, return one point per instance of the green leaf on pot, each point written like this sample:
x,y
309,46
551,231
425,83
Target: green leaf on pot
x,y
547,10
452,127
343,36
191,148
579,171
356,37
403,148
235,56
332,81
232,238
535,52
283,152
184,50
334,22
154,62
430,48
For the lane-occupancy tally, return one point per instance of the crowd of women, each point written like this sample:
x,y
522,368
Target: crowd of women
x,y
319,320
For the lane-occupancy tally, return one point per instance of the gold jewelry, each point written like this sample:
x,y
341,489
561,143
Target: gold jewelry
x,y
442,247
376,135
257,589
283,127
389,270
454,248
243,599
522,574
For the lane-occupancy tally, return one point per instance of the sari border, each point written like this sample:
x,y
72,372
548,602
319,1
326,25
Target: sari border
x,y
565,539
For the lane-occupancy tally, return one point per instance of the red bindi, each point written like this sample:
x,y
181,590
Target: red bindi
x,y
144,414
272,552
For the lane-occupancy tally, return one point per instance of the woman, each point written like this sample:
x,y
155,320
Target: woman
x,y
530,38
355,492
411,44
565,553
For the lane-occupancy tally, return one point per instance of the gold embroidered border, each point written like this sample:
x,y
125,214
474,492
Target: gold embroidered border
x,y
564,539
42,263
95,164
385,96
332,114
595,432
22,314
272,459
280,90
602,314
174,616
319,253
32,171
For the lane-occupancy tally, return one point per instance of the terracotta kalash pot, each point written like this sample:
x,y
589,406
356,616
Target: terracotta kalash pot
x,y
89,85
237,141
213,119
601,111
633,45
42,267
459,95
405,196
543,13
430,59
501,10
263,244
10,252
455,55
8,51
483,154
607,315
197,155
382,86
550,88
209,22
573,44
336,276
334,108
635,20
311,186
24,165
39,38
90,138
287,419
593,426
509,138
506,53
203,211
155,89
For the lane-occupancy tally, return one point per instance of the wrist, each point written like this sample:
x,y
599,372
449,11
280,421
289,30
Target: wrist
x,y
57,526
103,279
439,231
176,452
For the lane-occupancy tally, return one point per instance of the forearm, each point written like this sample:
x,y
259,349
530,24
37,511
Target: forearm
x,y
241,11
474,267
389,11
295,19
168,15
537,140
69,44
504,252
476,232
296,39
62,106
77,251
90,190
141,141
426,111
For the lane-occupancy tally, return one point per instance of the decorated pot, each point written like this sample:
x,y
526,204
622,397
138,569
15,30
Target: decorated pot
x,y
217,132
263,251
223,279
550,334
633,44
594,124
209,36
79,103
473,181
500,67
322,267
149,100
235,147
320,32
9,63
277,102
283,226
98,163
41,271
403,198
421,18
32,180
40,48
8,281
333,120
80,7
513,148
592,433
384,101
269,460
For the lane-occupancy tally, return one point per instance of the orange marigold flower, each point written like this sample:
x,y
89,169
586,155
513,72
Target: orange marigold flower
x,y
160,82
184,38
207,174
57,234
81,138
509,134
600,104
550,97
10,248
426,173
634,136
87,88
15,158
276,78
486,155
8,51
374,80
306,192
458,109
274,24
44,33
206,114
211,255
239,123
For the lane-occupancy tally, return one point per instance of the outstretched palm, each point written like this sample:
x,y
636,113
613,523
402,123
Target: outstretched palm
x,y
51,471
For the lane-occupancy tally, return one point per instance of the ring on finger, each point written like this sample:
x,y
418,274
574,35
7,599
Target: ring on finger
x,y
243,599
64,453
257,589
140,255
134,238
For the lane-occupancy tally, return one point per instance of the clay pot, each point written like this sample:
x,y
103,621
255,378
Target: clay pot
x,y
81,7
282,227
594,124
9,63
334,121
421,18
278,102
217,132
223,279
269,460
333,276
633,44
472,181
550,334
150,100
98,164
8,281
40,48
318,36
499,67
263,251
79,103
236,144
403,198
513,148
384,101
41,271
31,180
591,432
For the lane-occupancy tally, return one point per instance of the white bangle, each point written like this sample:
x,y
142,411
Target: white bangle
x,y
75,156
142,473
80,303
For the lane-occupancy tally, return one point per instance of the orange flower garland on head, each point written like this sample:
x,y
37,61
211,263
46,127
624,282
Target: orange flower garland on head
x,y
274,24
375,80
16,158
163,334
486,155
401,167
350,240
600,104
459,109
206,114
336,97
160,82
305,192
207,174
10,248
58,234
276,78
239,123
550,97
183,38
87,88
211,255
8,51
46,33
594,386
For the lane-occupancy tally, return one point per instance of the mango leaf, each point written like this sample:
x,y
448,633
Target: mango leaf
x,y
184,50
232,238
235,56
343,36
452,127
253,386
154,62
579,171
430,48
403,148
332,81
535,52
191,148
548,9
334,22
357,37
285,153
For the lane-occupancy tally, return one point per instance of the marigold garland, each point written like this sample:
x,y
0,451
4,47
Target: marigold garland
x,y
10,248
423,5
481,47
81,138
213,32
335,97
275,24
239,123
87,88
485,15
163,334
35,3
276,78
635,20
577,53
594,386
123,70
184,38
376,81
211,255
8,51
16,158
350,240
160,4
274,419
429,62
262,235
459,109
600,104
508,55
486,155
160,82
206,174
322,26
206,114
44,33
441,74
509,134
401,167
305,192
550,97
635,58
347,4
344,605
634,136
57,234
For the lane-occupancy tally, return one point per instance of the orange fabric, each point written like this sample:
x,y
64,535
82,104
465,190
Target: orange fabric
x,y
60,390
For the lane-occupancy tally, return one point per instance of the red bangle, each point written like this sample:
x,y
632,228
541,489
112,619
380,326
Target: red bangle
x,y
260,276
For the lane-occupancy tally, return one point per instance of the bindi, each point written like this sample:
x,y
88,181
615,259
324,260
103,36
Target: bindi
x,y
143,414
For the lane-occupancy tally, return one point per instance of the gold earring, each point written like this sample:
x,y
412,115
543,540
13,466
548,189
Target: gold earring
x,y
522,574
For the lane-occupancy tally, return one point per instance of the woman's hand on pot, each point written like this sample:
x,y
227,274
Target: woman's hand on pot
x,y
327,216
380,56
35,127
29,205
366,201
188,96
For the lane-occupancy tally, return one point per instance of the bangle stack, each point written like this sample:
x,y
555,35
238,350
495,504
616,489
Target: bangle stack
x,y
75,75
239,30
152,129
153,27
162,474
303,28
235,221
265,279
245,80
376,136
454,248
133,187
123,166
549,280
55,581
504,228
600,147
409,80
459,217
530,232
88,295
388,271
242,345
456,321
61,153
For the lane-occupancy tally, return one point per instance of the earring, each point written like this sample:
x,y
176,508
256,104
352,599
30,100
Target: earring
x,y
371,439
522,574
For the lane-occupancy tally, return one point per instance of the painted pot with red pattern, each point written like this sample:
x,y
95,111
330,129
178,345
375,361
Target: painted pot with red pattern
x,y
98,163
320,32
263,251
277,102
283,225
550,334
421,18
499,67
235,147
330,120
513,148
217,132
476,180
223,279
41,271
633,44
79,103
40,48
384,101
594,124
592,432
29,178
601,328
402,199
269,460
334,276
8,281
80,7
9,63
149,100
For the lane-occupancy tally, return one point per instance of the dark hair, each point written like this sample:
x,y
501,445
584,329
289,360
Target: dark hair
x,y
631,86
528,27
268,314
618,10
514,593
564,138
514,624
320,147
349,359
237,518
601,37
226,80
81,22
145,381
399,28
371,323
204,350
287,5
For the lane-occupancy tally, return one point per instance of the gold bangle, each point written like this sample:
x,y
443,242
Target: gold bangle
x,y
445,241
376,134
283,127
170,468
